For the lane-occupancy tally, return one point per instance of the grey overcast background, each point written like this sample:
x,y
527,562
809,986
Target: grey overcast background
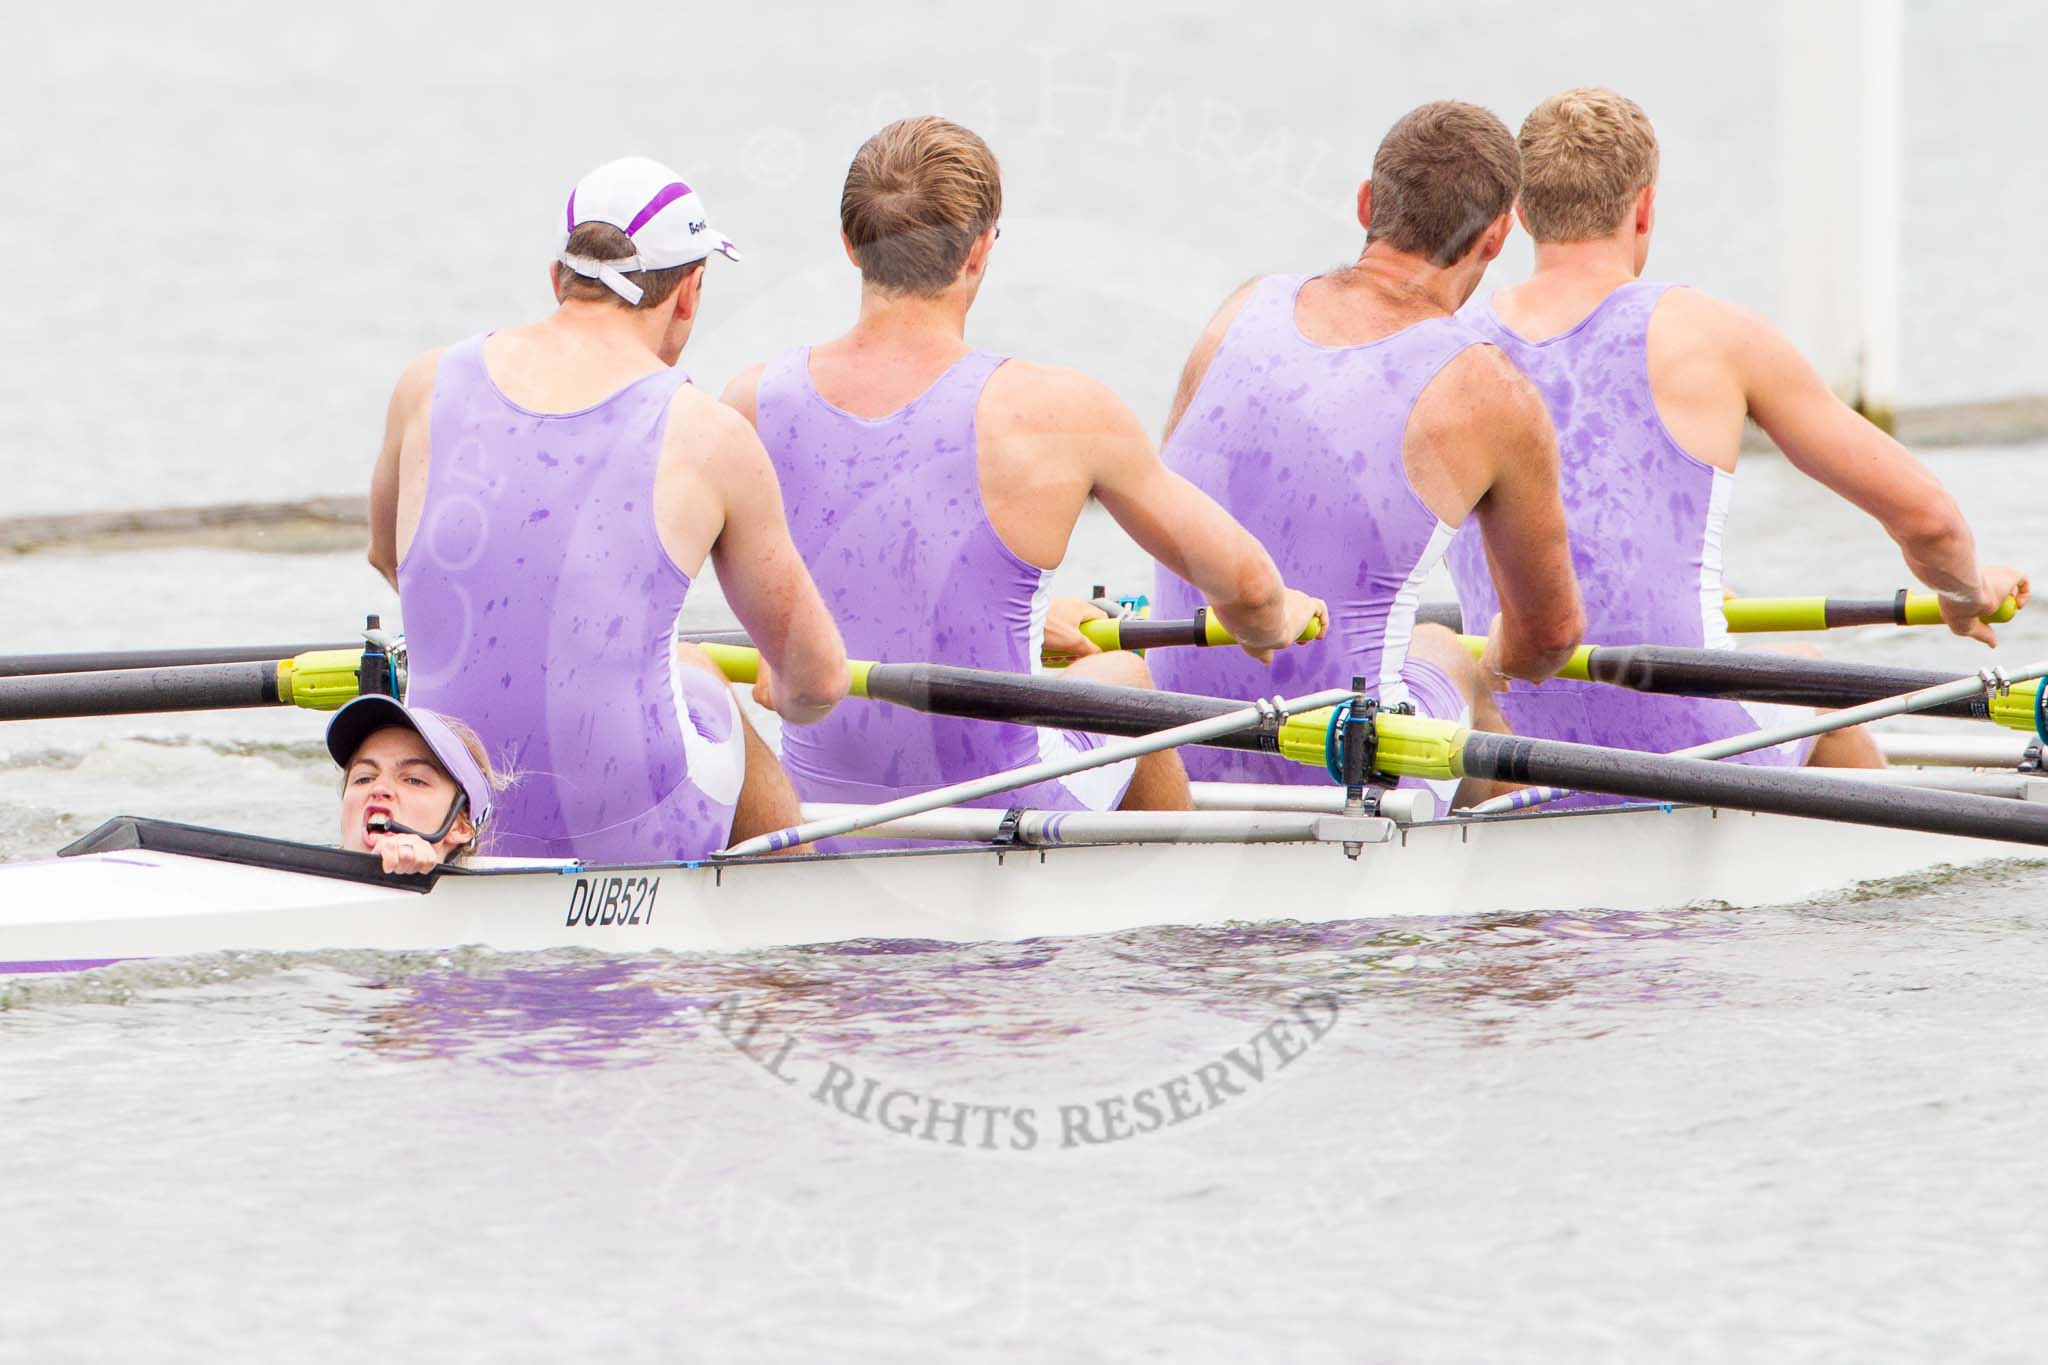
x,y
230,225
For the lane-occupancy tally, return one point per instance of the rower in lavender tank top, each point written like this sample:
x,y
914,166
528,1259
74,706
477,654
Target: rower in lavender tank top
x,y
888,516
540,608
1302,443
1646,521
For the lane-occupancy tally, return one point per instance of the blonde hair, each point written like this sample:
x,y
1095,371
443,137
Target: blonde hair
x,y
496,780
1586,153
917,195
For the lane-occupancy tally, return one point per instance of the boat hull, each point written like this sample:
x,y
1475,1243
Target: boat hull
x,y
143,901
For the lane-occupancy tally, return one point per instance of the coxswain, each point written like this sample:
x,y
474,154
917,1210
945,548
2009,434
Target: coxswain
x,y
417,788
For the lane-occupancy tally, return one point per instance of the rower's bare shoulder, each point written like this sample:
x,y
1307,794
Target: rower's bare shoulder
x,y
704,428
1695,315
1196,367
415,386
1480,390
1693,334
1477,417
1026,398
740,392
1226,312
712,464
1219,325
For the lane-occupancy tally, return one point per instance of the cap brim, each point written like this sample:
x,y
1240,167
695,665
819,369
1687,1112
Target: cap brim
x,y
360,719
365,716
456,758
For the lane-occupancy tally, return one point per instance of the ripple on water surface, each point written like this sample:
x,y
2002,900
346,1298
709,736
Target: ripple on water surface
x,y
1732,1134
1515,1138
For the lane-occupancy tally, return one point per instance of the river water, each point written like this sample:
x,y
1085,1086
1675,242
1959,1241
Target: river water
x,y
1803,1133
1800,1133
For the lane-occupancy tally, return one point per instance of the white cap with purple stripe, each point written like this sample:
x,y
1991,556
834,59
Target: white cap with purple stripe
x,y
650,204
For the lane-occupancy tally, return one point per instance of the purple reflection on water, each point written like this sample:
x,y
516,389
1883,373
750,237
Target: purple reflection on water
x,y
585,1015
920,997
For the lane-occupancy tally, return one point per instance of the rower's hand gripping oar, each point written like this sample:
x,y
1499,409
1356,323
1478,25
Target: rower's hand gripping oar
x,y
1200,630
1903,608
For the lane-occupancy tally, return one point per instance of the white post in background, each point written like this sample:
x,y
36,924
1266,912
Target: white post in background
x,y
1884,185
1840,175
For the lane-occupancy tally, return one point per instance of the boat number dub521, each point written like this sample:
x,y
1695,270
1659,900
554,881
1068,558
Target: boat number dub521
x,y
612,900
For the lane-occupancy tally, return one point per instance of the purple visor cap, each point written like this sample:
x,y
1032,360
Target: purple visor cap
x,y
365,716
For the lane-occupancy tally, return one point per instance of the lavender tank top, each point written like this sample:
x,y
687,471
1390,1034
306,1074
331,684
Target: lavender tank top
x,y
887,514
540,606
1645,518
1302,444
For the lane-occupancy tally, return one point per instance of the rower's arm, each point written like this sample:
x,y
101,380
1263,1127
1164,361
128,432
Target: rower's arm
x,y
1496,420
765,580
1205,351
409,400
1830,442
1182,527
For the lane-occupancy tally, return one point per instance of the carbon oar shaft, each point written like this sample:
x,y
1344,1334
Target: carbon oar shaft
x,y
1232,721
1813,723
1449,615
1104,708
1114,632
1763,615
97,661
1658,777
1027,699
1142,632
1020,698
1417,746
320,679
1737,675
1125,632
201,687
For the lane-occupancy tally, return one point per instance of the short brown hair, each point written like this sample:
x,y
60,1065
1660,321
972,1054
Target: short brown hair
x,y
1585,154
917,195
1440,176
603,242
